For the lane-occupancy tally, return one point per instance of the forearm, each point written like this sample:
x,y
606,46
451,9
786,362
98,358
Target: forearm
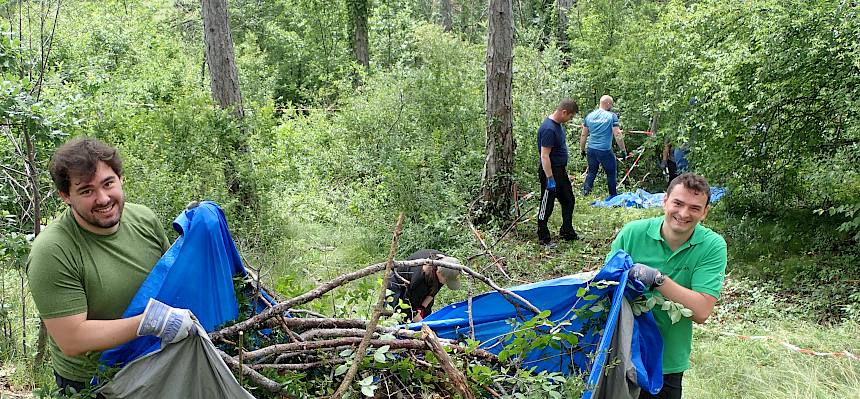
x,y
95,335
701,304
546,165
583,138
619,139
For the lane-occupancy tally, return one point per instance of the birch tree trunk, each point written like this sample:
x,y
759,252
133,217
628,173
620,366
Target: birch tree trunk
x,y
497,177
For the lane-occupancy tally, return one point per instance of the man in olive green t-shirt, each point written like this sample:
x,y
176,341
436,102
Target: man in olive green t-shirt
x,y
684,262
87,265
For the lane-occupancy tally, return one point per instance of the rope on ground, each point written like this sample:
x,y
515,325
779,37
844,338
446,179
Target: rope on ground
x,y
794,348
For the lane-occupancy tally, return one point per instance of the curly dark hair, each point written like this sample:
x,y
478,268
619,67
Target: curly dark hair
x,y
79,158
693,182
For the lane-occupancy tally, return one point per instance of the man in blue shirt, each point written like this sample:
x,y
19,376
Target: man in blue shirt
x,y
552,169
598,128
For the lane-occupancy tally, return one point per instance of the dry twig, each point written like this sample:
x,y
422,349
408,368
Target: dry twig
x,y
457,379
377,311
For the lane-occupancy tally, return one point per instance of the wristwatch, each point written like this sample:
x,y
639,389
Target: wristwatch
x,y
659,279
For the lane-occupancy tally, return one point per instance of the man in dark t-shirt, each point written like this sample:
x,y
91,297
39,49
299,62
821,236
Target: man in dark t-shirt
x,y
552,170
417,286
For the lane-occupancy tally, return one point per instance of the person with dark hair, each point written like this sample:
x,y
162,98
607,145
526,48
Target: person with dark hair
x,y
598,129
682,261
417,286
552,171
86,266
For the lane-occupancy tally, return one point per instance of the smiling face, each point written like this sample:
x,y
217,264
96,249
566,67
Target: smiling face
x,y
97,203
683,209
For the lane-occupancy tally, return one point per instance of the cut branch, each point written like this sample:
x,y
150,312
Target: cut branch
x,y
258,378
412,344
457,379
496,261
516,300
377,311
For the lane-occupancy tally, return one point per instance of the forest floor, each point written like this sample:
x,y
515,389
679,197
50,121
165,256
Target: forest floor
x,y
757,344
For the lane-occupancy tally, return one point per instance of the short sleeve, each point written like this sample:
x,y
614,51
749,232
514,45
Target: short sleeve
x,y
618,242
614,120
55,284
547,138
710,272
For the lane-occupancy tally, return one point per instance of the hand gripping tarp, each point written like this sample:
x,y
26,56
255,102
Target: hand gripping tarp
x,y
188,369
495,318
196,273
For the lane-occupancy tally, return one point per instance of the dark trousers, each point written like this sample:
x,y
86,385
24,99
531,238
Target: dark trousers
x,y
671,170
671,388
564,194
597,158
64,383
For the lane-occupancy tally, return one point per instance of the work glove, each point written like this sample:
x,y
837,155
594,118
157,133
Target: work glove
x,y
550,184
166,322
646,275
664,164
582,152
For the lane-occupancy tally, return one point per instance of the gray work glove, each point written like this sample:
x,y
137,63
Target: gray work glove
x,y
646,275
166,322
664,164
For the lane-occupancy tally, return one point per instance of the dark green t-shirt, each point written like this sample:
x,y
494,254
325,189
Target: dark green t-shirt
x,y
72,271
699,264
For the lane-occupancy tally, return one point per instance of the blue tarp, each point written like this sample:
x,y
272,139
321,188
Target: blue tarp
x,y
196,273
644,199
494,320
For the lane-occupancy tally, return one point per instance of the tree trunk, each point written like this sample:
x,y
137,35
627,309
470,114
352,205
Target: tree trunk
x,y
33,177
445,15
358,14
224,81
563,8
497,177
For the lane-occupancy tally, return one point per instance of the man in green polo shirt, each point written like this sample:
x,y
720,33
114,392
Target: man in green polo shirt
x,y
682,261
89,262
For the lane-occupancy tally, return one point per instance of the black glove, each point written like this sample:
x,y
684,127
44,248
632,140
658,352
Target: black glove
x,y
646,275
583,154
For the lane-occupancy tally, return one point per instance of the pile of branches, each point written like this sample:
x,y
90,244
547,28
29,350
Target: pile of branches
x,y
284,339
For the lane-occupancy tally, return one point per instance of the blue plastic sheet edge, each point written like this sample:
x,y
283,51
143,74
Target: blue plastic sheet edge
x,y
644,199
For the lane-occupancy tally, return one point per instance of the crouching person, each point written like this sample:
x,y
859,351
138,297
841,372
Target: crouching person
x,y
417,286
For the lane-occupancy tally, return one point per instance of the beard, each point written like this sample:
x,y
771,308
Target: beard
x,y
94,217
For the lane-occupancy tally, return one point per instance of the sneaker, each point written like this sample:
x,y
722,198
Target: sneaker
x,y
570,237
